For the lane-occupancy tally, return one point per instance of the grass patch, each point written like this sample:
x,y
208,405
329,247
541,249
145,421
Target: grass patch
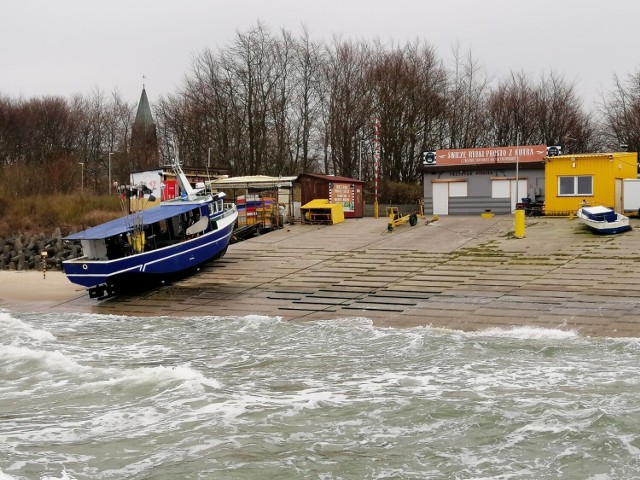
x,y
44,213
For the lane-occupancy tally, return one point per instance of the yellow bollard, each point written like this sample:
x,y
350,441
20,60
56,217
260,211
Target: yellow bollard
x,y
519,223
375,209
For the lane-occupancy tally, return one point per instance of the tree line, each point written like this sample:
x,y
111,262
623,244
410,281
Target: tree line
x,y
273,103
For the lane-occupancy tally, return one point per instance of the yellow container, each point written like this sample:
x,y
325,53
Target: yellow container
x,y
606,172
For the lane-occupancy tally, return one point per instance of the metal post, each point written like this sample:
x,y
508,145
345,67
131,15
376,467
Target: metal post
x,y
360,159
519,224
43,255
81,176
110,153
376,156
517,166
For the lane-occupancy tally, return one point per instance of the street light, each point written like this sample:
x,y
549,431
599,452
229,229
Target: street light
x,y
517,167
360,158
82,176
567,140
110,153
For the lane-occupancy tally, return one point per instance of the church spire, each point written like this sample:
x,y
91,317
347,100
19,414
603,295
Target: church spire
x,y
143,115
144,141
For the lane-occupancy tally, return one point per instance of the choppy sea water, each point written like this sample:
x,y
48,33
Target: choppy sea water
x,y
106,397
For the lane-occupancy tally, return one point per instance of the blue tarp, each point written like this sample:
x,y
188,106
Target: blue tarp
x,y
124,224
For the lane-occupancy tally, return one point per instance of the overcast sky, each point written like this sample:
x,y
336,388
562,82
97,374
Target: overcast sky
x,y
62,47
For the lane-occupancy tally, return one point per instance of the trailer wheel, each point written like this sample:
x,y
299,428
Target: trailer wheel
x,y
413,219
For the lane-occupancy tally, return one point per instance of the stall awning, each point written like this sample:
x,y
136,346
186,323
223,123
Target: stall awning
x,y
253,181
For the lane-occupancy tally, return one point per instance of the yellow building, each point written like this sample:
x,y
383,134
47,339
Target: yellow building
x,y
591,178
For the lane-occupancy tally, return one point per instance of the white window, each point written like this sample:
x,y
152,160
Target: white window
x,y
500,188
458,189
575,185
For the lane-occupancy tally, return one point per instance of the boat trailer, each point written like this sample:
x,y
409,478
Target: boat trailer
x,y
395,218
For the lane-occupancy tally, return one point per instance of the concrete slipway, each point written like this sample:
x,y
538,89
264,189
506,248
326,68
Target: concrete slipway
x,y
464,273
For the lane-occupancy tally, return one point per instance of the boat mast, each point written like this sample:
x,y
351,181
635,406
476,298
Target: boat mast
x,y
182,179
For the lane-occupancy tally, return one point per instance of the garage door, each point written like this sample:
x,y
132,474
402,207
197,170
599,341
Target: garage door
x,y
441,199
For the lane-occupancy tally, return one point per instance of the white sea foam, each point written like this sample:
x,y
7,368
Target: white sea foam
x,y
347,322
16,331
252,322
528,333
63,476
161,374
49,361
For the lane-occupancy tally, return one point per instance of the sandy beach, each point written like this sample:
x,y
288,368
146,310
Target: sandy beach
x,y
463,273
31,289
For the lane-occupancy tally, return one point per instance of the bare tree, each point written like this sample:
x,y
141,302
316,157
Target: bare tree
x,y
274,104
468,89
348,104
408,96
512,109
560,115
621,114
305,105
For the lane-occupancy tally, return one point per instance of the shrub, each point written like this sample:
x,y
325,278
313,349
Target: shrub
x,y
44,213
394,193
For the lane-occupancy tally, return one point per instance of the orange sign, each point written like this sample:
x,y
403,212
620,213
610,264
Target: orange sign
x,y
491,155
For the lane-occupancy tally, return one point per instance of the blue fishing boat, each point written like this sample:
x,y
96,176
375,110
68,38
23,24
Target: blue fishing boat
x,y
154,244
603,220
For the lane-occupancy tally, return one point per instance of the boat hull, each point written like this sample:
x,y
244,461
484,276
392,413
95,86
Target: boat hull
x,y
163,262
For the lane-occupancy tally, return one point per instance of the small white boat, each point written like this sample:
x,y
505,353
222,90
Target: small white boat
x,y
603,220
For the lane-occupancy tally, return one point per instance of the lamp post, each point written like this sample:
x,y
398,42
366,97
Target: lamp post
x,y
360,159
517,166
81,176
565,146
110,153
376,158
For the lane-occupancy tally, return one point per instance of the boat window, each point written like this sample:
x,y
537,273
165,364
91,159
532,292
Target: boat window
x,y
117,246
176,227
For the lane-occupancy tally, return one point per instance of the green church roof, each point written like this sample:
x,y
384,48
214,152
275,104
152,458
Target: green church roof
x,y
144,110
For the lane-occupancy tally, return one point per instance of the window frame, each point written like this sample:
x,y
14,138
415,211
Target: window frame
x,y
576,184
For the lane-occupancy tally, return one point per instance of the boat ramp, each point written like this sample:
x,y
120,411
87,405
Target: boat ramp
x,y
464,273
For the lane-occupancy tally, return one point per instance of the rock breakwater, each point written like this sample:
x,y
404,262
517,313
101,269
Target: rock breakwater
x,y
24,252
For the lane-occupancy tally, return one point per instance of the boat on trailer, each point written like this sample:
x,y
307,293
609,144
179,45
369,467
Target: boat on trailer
x,y
154,244
603,220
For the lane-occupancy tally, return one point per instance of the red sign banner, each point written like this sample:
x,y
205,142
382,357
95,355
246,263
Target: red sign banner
x,y
490,155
